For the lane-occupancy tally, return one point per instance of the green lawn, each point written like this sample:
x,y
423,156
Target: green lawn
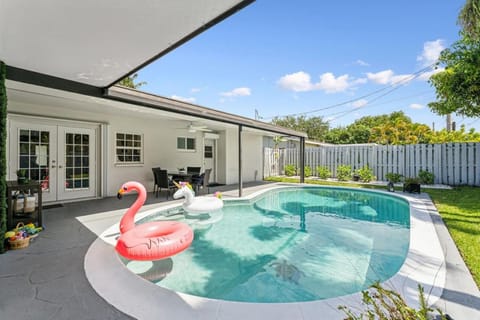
x,y
459,208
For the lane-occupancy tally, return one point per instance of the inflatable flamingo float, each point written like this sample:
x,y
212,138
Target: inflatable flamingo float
x,y
152,240
196,205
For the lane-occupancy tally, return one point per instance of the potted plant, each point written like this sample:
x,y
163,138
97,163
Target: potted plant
x,y
21,176
411,185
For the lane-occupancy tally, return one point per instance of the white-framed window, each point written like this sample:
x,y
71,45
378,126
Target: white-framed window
x,y
128,148
185,144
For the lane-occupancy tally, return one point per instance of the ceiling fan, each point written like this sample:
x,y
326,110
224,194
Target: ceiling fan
x,y
194,128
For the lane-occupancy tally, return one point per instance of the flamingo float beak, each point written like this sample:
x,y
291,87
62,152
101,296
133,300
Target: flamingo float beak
x,y
120,193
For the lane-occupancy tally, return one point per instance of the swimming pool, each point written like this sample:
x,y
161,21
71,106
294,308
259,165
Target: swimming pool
x,y
287,245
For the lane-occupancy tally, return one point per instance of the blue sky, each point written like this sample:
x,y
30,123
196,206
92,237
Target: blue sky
x,y
340,60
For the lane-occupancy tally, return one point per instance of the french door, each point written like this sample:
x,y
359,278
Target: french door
x,y
61,158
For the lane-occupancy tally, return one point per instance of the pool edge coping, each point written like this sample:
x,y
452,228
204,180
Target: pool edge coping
x,y
425,264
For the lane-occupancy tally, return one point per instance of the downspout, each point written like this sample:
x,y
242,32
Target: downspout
x,y
302,160
240,180
3,156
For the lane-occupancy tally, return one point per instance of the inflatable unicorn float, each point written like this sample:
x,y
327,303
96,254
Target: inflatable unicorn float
x,y
193,205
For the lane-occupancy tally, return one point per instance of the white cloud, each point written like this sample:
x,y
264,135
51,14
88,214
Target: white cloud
x,y
359,81
362,63
431,52
388,77
195,90
301,81
382,77
298,82
237,92
359,103
191,100
416,106
330,84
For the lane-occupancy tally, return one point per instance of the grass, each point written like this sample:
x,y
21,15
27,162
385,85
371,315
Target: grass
x,y
459,208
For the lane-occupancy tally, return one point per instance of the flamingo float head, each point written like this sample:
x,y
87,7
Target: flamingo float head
x,y
127,221
122,190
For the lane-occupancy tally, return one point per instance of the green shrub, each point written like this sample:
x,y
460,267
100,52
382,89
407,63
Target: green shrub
x,y
344,172
394,177
323,172
290,170
386,304
308,171
365,174
426,177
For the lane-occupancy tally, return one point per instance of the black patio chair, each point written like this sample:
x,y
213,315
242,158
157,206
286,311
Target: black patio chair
x,y
164,182
155,180
202,181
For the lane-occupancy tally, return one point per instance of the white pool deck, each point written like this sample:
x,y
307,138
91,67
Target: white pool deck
x,y
430,257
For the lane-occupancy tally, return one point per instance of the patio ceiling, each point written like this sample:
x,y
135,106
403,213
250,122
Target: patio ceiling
x,y
97,43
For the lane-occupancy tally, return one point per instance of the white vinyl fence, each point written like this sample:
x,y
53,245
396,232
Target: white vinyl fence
x,y
451,163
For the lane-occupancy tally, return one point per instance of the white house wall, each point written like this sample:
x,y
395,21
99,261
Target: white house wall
x,y
252,150
159,138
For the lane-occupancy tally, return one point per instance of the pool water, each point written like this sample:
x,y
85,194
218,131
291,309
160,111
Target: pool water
x,y
287,245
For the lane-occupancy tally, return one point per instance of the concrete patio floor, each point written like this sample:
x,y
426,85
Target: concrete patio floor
x,y
47,280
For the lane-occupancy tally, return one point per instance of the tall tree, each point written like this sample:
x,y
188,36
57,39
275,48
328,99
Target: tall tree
x,y
469,19
458,86
130,82
315,127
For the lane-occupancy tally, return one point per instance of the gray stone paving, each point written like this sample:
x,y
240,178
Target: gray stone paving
x,y
47,280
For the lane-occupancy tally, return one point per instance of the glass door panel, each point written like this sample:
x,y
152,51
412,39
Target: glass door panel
x,y
76,175
33,149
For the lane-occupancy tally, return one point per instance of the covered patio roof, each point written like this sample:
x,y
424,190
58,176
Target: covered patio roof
x,y
88,44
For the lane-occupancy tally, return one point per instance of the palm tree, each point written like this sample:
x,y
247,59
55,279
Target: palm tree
x,y
130,82
469,19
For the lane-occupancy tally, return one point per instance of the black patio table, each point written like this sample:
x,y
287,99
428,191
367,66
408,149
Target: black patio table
x,y
181,176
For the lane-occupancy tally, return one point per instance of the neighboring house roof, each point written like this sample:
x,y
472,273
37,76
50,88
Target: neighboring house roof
x,y
137,97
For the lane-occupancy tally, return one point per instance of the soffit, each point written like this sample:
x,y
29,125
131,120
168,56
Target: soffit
x,y
96,42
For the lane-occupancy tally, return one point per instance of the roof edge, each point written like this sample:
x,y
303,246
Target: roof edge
x,y
48,81
133,96
188,37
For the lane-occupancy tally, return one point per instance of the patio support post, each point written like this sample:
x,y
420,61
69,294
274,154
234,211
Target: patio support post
x,y
302,160
240,180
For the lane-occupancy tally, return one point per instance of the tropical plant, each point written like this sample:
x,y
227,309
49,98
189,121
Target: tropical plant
x,y
323,172
21,173
385,304
394,177
308,171
365,174
426,177
130,82
290,170
344,172
456,87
